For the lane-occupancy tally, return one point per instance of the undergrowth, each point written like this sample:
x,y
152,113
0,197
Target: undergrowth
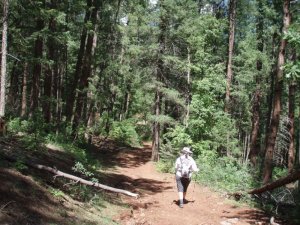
x,y
35,136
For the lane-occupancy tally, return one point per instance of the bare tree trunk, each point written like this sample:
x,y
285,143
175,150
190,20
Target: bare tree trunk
x,y
86,69
49,75
59,173
24,91
126,102
37,69
292,177
232,15
270,95
254,146
156,129
267,172
159,74
188,96
74,84
3,58
13,88
291,155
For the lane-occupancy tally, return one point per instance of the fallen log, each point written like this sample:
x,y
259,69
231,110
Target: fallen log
x,y
292,177
74,178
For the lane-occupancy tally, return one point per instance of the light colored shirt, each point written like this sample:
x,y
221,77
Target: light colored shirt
x,y
185,161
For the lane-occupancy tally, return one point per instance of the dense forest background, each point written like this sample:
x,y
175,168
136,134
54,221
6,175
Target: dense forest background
x,y
219,76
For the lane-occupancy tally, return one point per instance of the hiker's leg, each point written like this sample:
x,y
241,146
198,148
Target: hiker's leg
x,y
186,183
180,188
180,195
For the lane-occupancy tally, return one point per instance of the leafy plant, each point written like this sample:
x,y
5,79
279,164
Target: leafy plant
x,y
124,132
56,192
20,165
78,167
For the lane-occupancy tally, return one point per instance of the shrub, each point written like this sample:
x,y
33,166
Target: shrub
x,y
224,174
34,128
124,132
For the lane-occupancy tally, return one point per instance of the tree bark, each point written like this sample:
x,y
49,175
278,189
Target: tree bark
x,y
291,154
188,94
24,91
267,172
292,177
37,69
156,129
13,88
49,75
59,173
86,69
254,146
74,83
232,15
3,58
159,73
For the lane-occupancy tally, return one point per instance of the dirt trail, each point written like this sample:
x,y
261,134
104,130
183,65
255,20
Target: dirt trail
x,y
158,202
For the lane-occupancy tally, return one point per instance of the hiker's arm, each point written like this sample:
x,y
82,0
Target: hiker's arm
x,y
177,165
194,166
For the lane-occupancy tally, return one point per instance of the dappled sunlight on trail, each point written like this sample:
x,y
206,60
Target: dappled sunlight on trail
x,y
158,203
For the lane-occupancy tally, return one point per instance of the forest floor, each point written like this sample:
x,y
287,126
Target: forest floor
x,y
158,203
32,197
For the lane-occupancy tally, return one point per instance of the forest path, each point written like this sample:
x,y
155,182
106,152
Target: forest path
x,y
157,204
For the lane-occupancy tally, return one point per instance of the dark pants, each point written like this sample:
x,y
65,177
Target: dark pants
x,y
182,183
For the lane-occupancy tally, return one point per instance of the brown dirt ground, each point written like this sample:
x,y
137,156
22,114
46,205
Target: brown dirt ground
x,y
157,204
23,200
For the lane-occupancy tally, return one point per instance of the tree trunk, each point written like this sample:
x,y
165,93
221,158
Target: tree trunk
x,y
254,146
59,173
86,69
159,74
291,155
267,172
232,15
188,94
125,105
37,69
74,83
292,177
24,91
3,58
270,95
47,102
156,129
13,88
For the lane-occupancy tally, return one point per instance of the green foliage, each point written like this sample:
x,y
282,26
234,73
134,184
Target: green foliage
x,y
279,172
78,167
165,166
162,119
178,137
56,192
20,165
205,151
292,70
144,131
124,132
224,174
33,130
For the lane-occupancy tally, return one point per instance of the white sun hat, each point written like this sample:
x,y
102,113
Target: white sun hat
x,y
186,150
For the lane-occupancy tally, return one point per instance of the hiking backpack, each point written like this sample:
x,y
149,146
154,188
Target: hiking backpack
x,y
185,167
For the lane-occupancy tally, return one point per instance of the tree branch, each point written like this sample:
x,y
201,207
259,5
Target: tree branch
x,y
74,178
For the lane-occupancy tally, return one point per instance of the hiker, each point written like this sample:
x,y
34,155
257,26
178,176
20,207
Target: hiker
x,y
184,167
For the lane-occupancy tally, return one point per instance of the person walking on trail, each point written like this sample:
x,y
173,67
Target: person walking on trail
x,y
184,167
